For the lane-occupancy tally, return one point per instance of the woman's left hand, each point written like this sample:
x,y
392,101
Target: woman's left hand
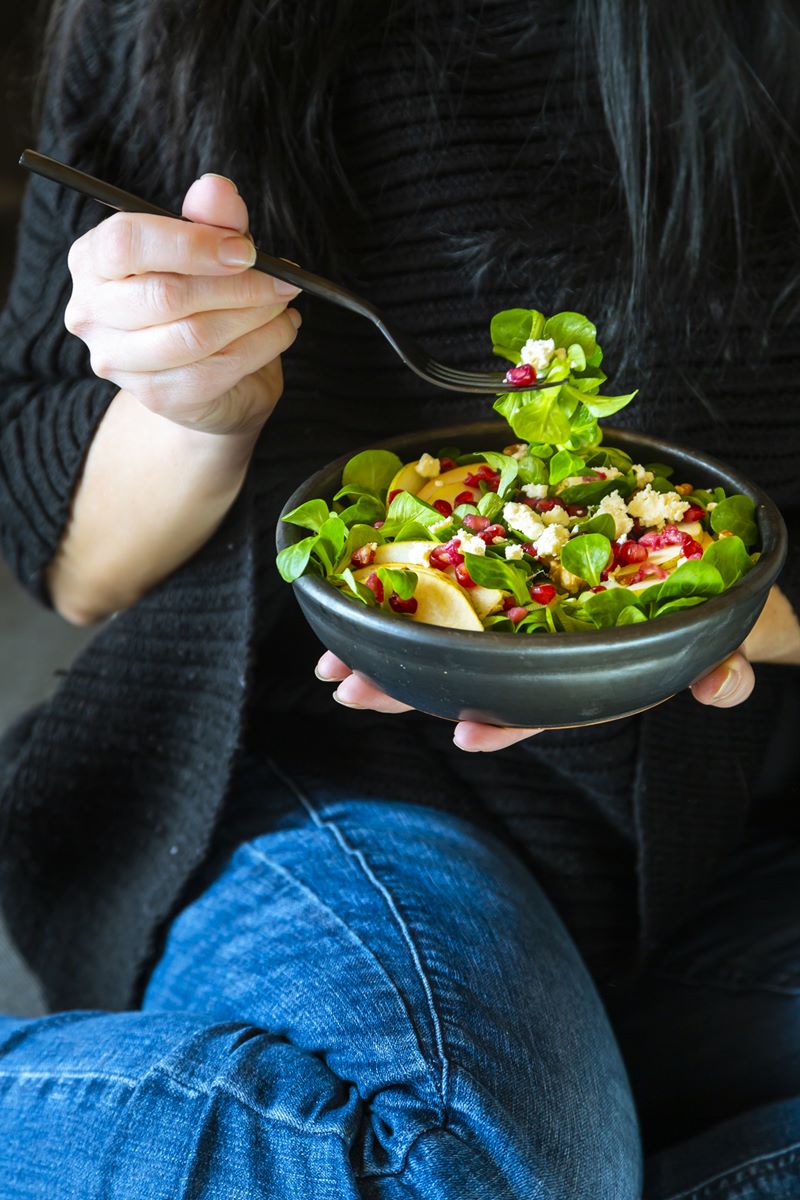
x,y
774,638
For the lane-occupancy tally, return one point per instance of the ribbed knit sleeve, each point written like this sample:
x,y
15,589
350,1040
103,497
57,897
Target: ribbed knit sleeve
x,y
50,402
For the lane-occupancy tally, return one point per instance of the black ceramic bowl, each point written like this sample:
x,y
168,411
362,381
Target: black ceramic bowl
x,y
539,680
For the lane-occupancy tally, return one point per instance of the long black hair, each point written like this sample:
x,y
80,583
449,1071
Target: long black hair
x,y
701,105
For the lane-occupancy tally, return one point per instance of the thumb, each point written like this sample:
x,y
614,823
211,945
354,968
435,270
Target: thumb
x,y
214,200
727,685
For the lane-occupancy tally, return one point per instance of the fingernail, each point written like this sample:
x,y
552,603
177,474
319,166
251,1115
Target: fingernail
x,y
282,288
236,252
467,749
728,686
324,678
345,703
294,317
212,175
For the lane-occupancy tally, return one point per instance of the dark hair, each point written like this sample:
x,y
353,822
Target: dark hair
x,y
701,103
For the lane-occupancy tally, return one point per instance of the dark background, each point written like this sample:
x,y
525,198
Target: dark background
x,y
33,642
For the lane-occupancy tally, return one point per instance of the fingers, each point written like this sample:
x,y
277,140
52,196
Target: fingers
x,y
179,343
195,385
353,691
161,297
727,685
138,243
330,668
215,200
472,736
357,693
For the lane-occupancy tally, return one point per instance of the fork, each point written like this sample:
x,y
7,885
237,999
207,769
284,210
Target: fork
x,y
409,350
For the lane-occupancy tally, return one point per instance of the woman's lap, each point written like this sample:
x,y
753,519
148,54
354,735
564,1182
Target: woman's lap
x,y
372,1000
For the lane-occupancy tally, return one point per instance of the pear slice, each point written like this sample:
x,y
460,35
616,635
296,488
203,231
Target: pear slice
x,y
408,479
404,552
483,600
440,601
449,484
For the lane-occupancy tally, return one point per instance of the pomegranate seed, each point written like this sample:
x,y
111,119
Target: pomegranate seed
x,y
516,613
446,464
439,558
604,573
599,588
669,536
695,513
648,570
543,593
576,510
450,553
378,524
364,555
691,548
545,505
524,373
629,552
483,473
476,522
463,576
391,496
442,506
494,531
402,606
464,498
509,602
375,585
529,548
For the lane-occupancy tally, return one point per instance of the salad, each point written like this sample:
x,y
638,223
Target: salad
x,y
557,533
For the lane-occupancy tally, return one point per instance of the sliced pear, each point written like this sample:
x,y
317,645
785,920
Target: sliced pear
x,y
693,528
404,552
439,600
448,485
408,479
483,600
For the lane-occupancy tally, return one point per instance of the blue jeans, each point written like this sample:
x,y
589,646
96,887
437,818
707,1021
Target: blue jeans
x,y
370,1000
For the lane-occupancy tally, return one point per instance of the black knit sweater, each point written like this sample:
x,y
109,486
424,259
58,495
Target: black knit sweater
x,y
189,712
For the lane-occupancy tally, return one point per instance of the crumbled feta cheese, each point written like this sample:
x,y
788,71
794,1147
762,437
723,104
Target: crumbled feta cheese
x,y
516,450
552,540
534,491
538,352
614,505
470,543
610,472
514,551
440,524
428,467
520,517
642,477
556,516
711,504
655,508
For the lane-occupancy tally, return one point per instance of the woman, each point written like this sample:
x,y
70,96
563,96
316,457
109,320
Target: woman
x,y
296,952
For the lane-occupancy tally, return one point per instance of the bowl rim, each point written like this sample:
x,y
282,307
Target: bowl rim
x,y
395,627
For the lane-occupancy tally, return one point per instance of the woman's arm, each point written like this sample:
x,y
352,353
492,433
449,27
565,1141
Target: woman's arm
x,y
195,346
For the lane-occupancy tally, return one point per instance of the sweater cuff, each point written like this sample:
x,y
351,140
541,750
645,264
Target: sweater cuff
x,y
41,458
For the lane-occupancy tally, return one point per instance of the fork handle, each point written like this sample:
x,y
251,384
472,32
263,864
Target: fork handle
x,y
122,201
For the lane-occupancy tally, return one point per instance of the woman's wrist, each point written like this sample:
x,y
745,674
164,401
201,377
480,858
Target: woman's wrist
x,y
775,637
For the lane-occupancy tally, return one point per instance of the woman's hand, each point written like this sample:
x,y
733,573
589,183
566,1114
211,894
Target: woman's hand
x,y
173,316
774,638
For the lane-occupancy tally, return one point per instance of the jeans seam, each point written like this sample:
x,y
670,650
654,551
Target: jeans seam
x,y
767,1162
73,1076
352,852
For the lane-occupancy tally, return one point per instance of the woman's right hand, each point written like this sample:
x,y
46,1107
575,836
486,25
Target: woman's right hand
x,y
172,314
